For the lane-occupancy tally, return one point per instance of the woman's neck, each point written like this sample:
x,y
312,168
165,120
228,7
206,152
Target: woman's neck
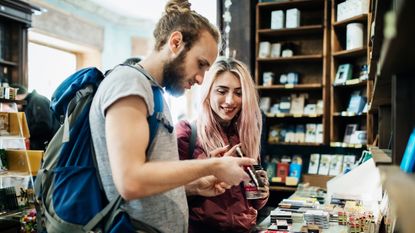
x,y
227,126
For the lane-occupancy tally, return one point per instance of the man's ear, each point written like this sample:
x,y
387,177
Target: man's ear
x,y
175,42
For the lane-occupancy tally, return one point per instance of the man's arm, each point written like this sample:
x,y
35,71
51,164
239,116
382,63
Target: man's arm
x,y
127,135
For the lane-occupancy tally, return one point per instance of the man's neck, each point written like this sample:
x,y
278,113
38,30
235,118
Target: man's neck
x,y
153,64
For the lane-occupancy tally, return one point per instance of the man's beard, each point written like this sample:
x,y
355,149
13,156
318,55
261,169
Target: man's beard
x,y
173,75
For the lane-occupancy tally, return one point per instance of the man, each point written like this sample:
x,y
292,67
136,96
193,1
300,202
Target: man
x,y
40,119
152,184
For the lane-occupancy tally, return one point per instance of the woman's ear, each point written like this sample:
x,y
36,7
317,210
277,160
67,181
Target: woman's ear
x,y
175,42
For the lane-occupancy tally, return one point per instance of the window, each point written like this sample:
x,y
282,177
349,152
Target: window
x,y
48,67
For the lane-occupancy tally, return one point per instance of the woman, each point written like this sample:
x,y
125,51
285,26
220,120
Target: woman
x,y
230,117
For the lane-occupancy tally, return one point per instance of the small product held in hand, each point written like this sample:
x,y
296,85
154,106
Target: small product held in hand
x,y
249,169
255,185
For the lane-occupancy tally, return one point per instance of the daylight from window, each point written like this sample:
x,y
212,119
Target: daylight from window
x,y
48,67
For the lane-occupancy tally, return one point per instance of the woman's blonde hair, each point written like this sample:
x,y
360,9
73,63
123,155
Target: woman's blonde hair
x,y
179,17
249,119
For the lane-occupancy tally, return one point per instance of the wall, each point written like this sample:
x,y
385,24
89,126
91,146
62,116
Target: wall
x,y
102,37
242,34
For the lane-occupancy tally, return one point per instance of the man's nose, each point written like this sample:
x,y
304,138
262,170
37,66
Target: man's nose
x,y
199,79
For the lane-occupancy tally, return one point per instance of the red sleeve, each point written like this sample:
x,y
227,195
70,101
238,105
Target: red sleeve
x,y
183,132
259,203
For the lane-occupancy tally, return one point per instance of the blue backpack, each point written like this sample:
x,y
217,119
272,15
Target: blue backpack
x,y
68,187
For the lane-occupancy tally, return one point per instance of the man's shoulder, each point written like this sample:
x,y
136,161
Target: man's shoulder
x,y
124,78
126,73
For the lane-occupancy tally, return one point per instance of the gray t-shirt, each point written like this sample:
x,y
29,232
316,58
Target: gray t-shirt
x,y
166,211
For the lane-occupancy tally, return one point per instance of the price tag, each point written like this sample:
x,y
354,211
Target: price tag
x,y
335,144
289,86
352,81
348,113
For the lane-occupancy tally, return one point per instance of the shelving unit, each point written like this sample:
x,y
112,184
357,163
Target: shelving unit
x,y
341,93
393,94
393,102
15,19
309,60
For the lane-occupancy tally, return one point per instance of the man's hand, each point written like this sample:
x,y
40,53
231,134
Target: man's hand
x,y
264,178
230,169
208,186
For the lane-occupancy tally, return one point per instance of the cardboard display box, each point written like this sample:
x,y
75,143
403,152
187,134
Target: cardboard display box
x,y
14,130
17,119
14,124
17,161
316,180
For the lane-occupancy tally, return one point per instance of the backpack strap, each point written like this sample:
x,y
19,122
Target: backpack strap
x,y
192,141
158,111
111,206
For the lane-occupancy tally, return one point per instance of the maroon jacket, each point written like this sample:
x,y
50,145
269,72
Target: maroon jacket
x,y
228,212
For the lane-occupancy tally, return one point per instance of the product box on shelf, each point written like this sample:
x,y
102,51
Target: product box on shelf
x,y
18,124
292,18
17,160
277,19
17,132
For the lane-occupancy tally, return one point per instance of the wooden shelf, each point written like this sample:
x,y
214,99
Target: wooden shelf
x,y
346,145
348,114
296,144
12,101
298,58
359,18
351,83
313,86
350,53
7,63
290,115
285,4
282,188
381,156
302,30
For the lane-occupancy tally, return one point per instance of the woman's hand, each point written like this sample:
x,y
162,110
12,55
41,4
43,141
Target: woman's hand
x,y
264,178
223,151
208,186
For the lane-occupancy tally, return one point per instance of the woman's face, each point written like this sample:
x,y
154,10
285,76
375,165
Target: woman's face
x,y
226,96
